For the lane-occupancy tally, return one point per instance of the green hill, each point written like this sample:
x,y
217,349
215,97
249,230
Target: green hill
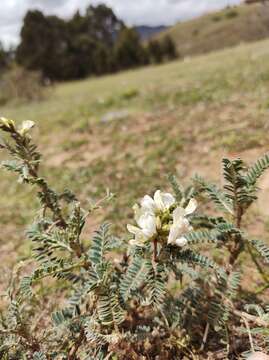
x,y
226,28
128,131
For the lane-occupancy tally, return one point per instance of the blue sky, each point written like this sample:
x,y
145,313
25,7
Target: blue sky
x,y
134,12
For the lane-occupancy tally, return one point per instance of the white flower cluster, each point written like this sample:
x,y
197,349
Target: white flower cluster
x,y
149,218
10,124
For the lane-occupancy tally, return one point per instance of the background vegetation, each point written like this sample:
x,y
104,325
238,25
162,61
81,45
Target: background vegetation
x,y
127,131
95,43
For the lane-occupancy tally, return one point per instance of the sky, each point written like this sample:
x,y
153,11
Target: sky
x,y
133,12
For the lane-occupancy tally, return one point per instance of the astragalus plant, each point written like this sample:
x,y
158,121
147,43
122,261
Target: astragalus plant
x,y
151,295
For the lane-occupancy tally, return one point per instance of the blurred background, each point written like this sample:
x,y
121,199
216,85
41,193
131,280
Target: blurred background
x,y
124,93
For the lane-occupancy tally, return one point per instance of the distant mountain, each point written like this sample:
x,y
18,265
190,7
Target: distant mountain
x,y
146,32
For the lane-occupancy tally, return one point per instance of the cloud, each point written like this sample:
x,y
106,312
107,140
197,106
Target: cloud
x,y
134,12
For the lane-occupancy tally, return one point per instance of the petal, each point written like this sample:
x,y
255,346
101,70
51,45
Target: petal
x,y
145,220
132,229
168,200
182,241
150,229
134,242
27,125
173,234
178,229
138,212
163,201
140,237
191,207
158,200
148,203
178,215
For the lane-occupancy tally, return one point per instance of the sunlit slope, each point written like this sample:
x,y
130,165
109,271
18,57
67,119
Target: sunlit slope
x,y
128,131
226,28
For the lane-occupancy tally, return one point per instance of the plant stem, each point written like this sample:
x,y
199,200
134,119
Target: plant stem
x,y
249,334
205,337
261,289
72,353
238,242
155,244
254,319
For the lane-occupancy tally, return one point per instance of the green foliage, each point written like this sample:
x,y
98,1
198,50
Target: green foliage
x,y
95,43
136,274
21,85
39,356
216,195
129,51
156,285
97,298
155,51
100,244
261,248
257,169
5,59
109,309
177,188
169,48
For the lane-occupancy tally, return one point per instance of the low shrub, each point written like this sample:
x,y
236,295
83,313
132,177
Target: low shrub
x,y
151,295
20,84
231,14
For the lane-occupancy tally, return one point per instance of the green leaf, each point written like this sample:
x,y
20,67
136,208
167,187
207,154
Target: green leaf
x,y
26,287
100,244
61,317
197,259
178,190
137,272
257,169
216,195
202,236
261,248
96,338
156,285
109,309
39,356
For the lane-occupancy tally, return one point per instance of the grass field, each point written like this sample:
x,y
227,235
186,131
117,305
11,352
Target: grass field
x,y
128,131
229,27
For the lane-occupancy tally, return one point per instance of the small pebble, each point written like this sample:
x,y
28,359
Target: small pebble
x,y
258,356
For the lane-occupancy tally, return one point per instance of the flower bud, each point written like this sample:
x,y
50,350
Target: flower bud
x,y
166,228
7,124
158,223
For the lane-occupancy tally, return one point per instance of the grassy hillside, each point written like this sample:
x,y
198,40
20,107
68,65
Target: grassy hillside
x,y
128,131
226,28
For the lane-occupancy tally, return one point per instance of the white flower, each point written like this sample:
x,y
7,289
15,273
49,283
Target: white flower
x,y
163,201
147,227
147,216
26,126
181,224
160,202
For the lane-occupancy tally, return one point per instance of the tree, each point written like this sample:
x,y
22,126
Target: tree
x,y
169,49
4,58
129,51
43,44
91,44
155,51
102,24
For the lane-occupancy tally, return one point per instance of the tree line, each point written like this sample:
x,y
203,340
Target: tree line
x,y
95,43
